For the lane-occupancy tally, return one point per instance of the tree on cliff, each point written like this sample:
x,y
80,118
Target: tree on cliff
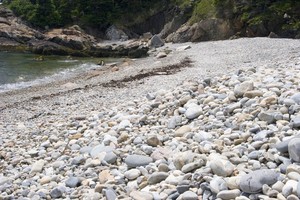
x,y
46,14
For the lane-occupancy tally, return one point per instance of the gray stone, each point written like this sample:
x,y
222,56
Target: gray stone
x,y
192,166
294,175
267,117
283,146
295,122
174,121
182,188
230,108
193,112
262,135
253,93
287,190
278,186
37,167
56,193
298,189
174,195
132,174
137,140
86,149
110,194
78,160
288,102
73,182
239,90
296,98
4,180
292,197
157,177
150,96
156,42
139,195
254,154
182,130
229,194
253,182
182,48
137,160
99,149
222,167
33,153
153,140
110,157
216,184
161,55
294,149
163,167
189,195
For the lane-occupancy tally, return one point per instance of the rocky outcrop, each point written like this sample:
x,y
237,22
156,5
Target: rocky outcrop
x,y
209,29
116,34
16,36
13,33
173,25
73,37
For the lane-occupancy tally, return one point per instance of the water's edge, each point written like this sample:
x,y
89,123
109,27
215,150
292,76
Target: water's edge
x,y
22,70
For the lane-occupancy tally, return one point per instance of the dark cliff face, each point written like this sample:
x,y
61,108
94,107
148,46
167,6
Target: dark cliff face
x,y
153,24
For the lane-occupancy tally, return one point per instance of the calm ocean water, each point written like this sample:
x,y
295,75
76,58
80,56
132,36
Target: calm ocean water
x,y
19,70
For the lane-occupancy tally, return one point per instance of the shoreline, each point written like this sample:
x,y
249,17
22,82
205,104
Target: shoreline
x,y
224,119
206,63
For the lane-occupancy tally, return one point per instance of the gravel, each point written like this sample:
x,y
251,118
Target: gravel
x,y
225,127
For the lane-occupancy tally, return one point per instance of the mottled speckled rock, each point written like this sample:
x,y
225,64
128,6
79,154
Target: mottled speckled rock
x,y
253,182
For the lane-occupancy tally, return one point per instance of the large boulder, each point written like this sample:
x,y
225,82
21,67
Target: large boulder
x,y
73,37
116,34
208,29
156,42
173,25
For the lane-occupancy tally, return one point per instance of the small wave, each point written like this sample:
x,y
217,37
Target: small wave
x,y
68,61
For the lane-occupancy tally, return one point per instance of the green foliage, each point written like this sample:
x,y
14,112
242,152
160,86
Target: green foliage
x,y
183,4
102,13
96,13
23,8
204,9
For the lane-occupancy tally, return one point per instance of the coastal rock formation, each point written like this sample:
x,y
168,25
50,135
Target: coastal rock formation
x,y
73,37
208,29
15,35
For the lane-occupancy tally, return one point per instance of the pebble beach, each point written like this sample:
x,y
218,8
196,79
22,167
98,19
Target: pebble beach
x,y
225,126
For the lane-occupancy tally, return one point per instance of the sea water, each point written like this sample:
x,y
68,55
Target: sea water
x,y
19,70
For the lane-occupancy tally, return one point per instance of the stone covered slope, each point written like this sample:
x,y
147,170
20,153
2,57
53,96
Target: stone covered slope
x,y
228,137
